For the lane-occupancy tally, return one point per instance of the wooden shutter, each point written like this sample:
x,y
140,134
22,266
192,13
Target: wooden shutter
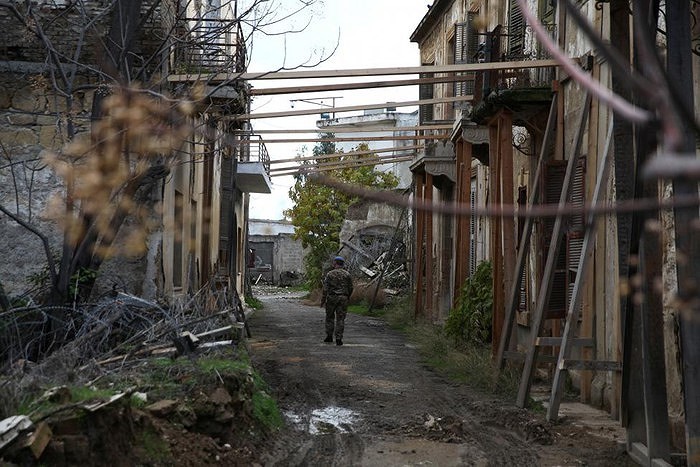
x,y
472,228
523,297
576,226
466,45
516,31
226,234
426,91
552,183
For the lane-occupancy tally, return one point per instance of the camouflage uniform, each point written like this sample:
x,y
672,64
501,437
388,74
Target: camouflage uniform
x,y
337,288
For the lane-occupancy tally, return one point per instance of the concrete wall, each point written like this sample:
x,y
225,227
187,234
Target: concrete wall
x,y
287,252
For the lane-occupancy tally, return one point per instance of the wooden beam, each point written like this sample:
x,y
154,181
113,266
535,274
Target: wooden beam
x,y
345,154
359,72
313,169
338,129
505,147
346,162
350,108
353,86
429,276
418,260
349,139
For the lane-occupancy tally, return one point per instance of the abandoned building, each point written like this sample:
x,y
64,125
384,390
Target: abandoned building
x,y
377,231
198,210
274,255
530,134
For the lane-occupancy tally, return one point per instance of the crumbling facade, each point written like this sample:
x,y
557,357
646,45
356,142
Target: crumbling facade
x,y
195,223
531,136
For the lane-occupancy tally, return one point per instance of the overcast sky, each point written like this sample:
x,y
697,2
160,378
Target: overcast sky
x,y
368,34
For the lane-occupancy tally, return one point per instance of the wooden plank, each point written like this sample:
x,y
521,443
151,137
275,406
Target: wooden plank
x,y
344,162
348,139
520,357
326,168
680,71
338,129
590,365
584,261
349,108
556,341
345,154
548,275
452,78
511,300
359,72
653,353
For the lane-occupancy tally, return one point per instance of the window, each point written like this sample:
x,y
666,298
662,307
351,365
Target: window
x,y
426,91
465,46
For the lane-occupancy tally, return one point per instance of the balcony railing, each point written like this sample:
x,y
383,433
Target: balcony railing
x,y
253,164
503,45
206,45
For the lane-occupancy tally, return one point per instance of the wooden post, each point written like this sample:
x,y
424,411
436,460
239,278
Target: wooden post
x,y
680,72
419,248
496,257
505,148
429,277
462,234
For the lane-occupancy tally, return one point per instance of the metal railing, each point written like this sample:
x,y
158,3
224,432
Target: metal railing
x,y
206,45
253,149
504,45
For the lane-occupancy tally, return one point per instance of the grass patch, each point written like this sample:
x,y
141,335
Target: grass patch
x,y
265,411
155,448
254,303
223,365
84,394
471,365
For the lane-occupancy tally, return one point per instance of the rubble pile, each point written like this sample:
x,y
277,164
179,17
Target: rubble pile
x,y
126,382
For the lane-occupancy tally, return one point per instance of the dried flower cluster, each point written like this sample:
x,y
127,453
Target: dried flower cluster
x,y
133,142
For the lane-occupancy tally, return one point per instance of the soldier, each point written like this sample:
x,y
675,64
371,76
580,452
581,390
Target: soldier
x,y
337,288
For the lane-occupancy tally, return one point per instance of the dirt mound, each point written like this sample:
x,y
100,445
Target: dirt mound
x,y
206,410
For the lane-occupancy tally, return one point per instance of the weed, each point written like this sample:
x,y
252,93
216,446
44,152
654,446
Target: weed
x,y
470,364
469,322
254,303
82,394
155,447
265,411
222,365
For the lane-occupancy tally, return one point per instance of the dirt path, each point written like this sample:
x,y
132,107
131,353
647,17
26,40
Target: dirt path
x,y
371,402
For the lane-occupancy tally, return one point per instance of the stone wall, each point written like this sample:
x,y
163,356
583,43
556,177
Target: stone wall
x,y
32,121
72,26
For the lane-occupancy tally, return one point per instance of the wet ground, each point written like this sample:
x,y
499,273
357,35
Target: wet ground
x,y
371,402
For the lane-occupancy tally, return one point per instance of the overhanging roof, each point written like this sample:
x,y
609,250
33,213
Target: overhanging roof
x,y
430,19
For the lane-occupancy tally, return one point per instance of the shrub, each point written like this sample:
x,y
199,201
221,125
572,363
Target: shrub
x,y
469,322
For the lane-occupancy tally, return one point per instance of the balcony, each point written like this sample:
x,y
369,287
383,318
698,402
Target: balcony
x,y
436,159
253,167
524,90
207,44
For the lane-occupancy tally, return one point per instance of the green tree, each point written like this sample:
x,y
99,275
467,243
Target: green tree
x,y
319,211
